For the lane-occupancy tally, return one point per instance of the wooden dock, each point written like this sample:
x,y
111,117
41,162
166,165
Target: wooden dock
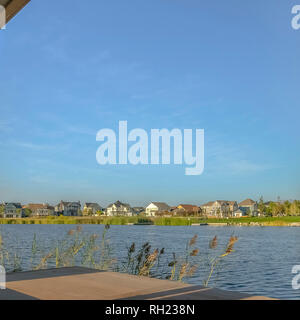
x,y
78,283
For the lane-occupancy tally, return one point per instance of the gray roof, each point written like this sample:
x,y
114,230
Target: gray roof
x,y
119,204
238,211
92,204
15,204
162,206
221,202
66,203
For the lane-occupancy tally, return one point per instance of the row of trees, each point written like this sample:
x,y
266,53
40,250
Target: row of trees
x,y
278,208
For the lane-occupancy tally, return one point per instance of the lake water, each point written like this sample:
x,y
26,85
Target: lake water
x,y
261,263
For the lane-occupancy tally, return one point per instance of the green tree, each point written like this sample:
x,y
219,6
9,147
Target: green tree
x,y
261,206
268,212
27,212
1,210
287,208
248,212
277,209
87,212
294,208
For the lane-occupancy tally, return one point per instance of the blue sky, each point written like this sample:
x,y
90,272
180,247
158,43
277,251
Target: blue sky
x,y
229,67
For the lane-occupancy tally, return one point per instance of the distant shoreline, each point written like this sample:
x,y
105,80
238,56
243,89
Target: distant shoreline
x,y
292,221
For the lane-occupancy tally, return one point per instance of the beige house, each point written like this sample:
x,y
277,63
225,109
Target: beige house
x,y
249,206
40,210
207,208
91,208
156,207
219,208
215,208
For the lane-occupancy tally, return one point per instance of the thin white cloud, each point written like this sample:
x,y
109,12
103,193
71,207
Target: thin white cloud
x,y
232,159
35,146
246,166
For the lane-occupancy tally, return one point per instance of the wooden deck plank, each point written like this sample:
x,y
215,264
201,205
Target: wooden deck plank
x,y
89,284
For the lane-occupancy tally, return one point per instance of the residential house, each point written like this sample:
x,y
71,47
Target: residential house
x,y
239,213
156,207
215,208
68,208
219,208
186,209
91,208
207,208
119,209
40,210
233,206
13,210
138,210
249,207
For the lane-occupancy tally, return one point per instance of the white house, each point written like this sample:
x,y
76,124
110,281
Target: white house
x,y
207,207
119,209
155,207
239,213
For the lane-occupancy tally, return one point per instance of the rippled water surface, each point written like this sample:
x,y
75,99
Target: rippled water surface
x,y
261,264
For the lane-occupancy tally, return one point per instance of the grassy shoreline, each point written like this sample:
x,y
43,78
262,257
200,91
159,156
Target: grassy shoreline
x,y
159,221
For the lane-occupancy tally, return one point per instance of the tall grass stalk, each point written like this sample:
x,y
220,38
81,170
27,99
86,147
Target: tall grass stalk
x,y
78,248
